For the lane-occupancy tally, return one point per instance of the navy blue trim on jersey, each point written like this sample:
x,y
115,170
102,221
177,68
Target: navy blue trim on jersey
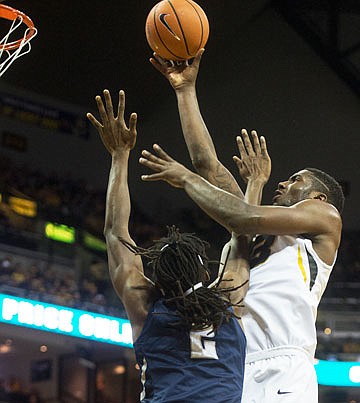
x,y
313,268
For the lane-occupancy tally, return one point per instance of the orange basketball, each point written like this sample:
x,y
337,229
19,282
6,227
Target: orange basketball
x,y
177,29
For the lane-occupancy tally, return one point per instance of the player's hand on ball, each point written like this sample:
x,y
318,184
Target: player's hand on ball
x,y
180,74
112,129
165,167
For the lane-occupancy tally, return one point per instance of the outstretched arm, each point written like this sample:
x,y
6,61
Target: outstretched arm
x,y
126,269
182,77
313,217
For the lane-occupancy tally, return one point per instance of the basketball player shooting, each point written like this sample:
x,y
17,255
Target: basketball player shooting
x,y
187,338
290,260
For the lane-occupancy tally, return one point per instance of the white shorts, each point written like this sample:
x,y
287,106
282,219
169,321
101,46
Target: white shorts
x,y
281,375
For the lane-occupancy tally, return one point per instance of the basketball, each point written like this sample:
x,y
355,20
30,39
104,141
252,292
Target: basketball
x,y
177,29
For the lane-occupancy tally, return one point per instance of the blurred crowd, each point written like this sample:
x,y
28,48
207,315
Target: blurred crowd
x,y
59,198
12,391
348,260
40,281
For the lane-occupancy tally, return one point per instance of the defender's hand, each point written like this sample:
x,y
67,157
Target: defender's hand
x,y
254,162
113,131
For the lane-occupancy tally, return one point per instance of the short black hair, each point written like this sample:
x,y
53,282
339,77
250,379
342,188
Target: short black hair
x,y
325,183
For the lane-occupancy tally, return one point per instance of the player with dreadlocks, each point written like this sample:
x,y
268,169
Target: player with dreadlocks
x,y
180,268
187,339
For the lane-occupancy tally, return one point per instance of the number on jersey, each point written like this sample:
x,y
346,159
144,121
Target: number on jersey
x,y
203,344
260,249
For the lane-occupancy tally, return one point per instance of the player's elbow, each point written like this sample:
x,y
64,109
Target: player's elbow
x,y
199,162
109,226
110,232
107,230
204,163
244,223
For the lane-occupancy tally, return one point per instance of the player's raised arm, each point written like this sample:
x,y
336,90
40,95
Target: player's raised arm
x,y
126,269
182,77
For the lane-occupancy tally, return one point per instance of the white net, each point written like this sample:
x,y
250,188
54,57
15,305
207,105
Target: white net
x,y
10,51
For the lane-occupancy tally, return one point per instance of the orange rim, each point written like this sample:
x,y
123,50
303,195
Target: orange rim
x,y
11,14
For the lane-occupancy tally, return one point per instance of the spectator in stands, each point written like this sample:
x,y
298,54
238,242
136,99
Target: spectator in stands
x,y
16,393
34,397
3,394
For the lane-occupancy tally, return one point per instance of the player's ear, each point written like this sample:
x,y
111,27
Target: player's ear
x,y
321,196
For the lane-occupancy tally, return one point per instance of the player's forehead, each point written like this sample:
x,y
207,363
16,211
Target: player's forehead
x,y
303,173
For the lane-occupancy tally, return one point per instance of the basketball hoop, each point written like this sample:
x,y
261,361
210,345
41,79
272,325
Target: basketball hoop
x,y
12,48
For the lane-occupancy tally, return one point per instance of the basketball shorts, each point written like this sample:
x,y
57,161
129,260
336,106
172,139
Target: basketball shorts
x,y
281,375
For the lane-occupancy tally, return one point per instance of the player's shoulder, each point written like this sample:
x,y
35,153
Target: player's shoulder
x,y
329,224
320,206
325,215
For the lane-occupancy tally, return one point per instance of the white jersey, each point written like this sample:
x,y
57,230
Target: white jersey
x,y
287,280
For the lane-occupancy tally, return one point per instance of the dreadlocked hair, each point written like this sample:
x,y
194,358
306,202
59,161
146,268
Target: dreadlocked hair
x,y
179,262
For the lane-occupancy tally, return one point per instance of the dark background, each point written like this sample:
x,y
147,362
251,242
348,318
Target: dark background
x,y
259,71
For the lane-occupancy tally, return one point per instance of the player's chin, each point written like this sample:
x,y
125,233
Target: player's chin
x,y
275,201
278,202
